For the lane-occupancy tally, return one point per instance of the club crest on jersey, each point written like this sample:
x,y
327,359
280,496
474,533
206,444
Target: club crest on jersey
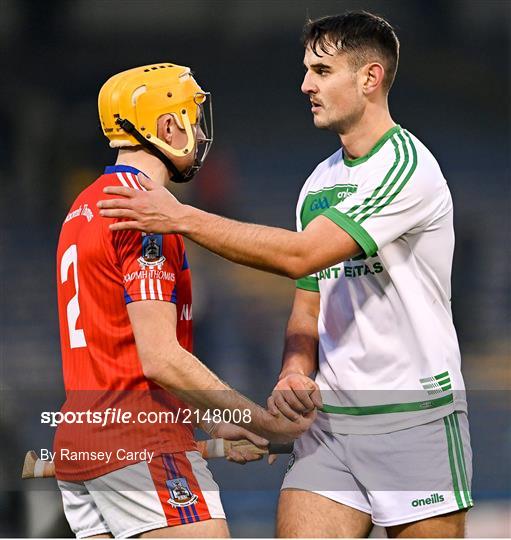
x,y
180,493
152,247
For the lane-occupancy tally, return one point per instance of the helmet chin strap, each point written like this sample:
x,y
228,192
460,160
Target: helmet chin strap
x,y
177,176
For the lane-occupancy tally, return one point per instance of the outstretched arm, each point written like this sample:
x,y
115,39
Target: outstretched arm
x,y
292,254
172,367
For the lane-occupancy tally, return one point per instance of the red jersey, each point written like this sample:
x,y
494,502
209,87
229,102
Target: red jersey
x,y
98,272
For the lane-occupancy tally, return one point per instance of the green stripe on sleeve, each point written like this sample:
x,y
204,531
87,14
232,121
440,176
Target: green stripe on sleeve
x,y
368,200
308,283
398,177
356,231
384,198
442,375
388,183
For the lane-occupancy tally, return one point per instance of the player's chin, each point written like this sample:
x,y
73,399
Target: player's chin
x,y
319,122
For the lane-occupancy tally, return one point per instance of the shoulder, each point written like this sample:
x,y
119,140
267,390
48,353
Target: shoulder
x,y
424,156
175,242
175,249
405,162
426,173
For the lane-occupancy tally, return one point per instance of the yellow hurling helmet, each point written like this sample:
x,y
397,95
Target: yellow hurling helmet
x,y
131,102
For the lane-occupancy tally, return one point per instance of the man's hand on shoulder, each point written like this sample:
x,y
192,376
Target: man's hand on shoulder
x,y
295,394
153,209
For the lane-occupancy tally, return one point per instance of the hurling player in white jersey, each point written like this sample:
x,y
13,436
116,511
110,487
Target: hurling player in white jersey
x,y
370,340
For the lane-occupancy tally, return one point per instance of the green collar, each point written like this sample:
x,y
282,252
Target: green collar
x,y
374,149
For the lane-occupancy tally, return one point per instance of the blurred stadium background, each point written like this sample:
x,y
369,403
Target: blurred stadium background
x,y
452,91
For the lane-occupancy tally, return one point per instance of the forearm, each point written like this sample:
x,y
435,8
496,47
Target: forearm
x,y
271,249
293,254
172,367
183,375
296,392
301,345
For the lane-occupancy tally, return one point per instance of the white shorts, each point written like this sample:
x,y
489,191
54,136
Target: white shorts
x,y
174,489
397,477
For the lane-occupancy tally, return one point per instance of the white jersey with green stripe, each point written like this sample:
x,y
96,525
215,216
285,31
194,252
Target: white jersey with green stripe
x,y
388,351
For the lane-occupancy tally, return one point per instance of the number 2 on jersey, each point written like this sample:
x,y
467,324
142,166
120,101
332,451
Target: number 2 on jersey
x,y
76,335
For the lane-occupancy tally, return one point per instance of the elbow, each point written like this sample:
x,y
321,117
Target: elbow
x,y
158,369
152,371
298,267
302,273
299,261
163,376
295,274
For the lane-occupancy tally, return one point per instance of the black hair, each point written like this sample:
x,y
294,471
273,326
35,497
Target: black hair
x,y
359,33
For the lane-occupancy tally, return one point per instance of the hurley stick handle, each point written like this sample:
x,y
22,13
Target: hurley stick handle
x,y
33,467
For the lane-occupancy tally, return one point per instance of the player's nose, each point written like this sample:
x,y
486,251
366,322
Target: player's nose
x,y
308,87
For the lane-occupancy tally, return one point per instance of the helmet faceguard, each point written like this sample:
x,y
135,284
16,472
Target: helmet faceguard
x,y
203,135
131,102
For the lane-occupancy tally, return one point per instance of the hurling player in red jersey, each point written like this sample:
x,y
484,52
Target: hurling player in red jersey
x,y
125,311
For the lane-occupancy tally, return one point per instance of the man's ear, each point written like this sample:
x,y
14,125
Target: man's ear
x,y
373,77
166,128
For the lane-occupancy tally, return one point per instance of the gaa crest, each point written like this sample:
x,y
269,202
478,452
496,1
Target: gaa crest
x,y
152,248
180,493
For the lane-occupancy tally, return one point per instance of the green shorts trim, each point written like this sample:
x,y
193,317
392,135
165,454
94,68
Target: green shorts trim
x,y
457,462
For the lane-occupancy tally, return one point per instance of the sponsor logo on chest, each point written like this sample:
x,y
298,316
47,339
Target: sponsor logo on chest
x,y
316,202
363,268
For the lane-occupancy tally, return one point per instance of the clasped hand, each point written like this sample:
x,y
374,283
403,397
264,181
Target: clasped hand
x,y
295,394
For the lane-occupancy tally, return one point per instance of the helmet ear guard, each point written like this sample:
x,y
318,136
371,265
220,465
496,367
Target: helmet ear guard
x,y
187,127
131,102
129,128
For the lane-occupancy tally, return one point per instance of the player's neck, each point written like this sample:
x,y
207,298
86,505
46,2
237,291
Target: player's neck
x,y
362,137
145,162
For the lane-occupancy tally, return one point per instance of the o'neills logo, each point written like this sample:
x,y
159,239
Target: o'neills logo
x,y
434,498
